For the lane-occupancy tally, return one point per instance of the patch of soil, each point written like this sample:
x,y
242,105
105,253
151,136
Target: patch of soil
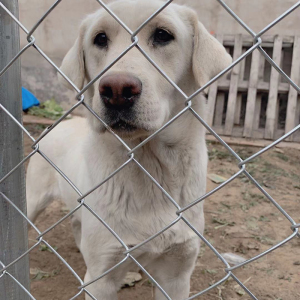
x,y
239,220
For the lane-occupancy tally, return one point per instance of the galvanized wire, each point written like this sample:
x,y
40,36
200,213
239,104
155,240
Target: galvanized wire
x,y
178,217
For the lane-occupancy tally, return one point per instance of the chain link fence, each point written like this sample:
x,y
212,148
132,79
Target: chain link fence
x,y
242,164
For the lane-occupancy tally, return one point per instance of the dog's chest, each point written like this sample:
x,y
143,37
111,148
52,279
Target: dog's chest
x,y
138,204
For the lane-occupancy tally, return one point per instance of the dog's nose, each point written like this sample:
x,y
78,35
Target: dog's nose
x,y
119,91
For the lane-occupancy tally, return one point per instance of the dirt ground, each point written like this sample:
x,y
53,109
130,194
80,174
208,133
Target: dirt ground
x,y
239,219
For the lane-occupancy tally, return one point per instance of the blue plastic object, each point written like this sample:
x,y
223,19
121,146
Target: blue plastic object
x,y
28,99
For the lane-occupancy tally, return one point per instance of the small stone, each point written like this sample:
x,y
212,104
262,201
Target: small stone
x,y
279,150
131,278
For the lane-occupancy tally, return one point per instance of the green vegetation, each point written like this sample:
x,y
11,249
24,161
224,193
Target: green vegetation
x,y
49,109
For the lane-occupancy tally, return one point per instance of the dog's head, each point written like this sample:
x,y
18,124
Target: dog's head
x,y
132,97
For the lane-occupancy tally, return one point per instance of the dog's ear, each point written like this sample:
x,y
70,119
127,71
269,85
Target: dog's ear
x,y
209,56
73,63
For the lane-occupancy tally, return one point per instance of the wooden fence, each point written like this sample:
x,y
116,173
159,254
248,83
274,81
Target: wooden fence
x,y
254,101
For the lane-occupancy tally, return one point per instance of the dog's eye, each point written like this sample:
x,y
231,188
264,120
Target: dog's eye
x,y
101,40
162,37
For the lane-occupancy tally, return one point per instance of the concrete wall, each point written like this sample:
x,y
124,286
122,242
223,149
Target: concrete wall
x,y
58,31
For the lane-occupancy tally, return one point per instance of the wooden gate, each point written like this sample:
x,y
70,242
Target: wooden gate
x,y
254,101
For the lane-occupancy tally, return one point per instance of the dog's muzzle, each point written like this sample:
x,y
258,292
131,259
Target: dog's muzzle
x,y
119,91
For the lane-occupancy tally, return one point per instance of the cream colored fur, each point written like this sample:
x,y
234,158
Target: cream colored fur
x,y
177,158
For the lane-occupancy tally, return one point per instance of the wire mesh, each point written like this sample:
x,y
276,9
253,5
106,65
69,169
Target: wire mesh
x,y
242,164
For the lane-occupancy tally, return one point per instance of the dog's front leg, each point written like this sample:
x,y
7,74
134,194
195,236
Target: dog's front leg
x,y
174,268
100,260
103,289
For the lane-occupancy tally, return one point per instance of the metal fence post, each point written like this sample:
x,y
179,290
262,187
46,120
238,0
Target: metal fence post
x,y
13,227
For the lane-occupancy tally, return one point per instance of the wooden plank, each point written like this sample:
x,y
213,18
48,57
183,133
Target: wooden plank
x,y
261,70
278,134
212,95
257,112
282,64
252,142
258,133
252,91
219,130
297,137
268,67
242,66
228,74
237,114
247,68
267,41
290,122
238,108
29,119
283,87
276,118
298,111
237,132
259,96
230,113
219,109
272,108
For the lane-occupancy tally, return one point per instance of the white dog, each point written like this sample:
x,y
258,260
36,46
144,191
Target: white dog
x,y
134,100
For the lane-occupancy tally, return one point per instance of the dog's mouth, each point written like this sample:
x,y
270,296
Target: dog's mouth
x,y
123,126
